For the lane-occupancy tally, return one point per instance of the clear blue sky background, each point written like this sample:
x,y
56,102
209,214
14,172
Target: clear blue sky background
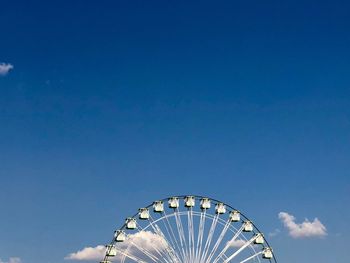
x,y
112,104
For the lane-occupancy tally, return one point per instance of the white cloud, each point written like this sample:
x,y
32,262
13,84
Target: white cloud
x,y
304,229
237,243
144,239
12,260
5,68
88,253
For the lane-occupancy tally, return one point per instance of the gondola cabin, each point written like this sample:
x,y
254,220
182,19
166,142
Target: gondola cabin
x,y
120,236
189,201
220,208
111,251
173,202
130,223
158,207
247,226
205,203
143,213
267,253
259,239
235,216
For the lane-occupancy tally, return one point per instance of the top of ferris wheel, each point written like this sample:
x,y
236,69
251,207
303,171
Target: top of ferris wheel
x,y
189,202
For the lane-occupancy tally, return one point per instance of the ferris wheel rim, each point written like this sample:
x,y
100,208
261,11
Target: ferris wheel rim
x,y
201,197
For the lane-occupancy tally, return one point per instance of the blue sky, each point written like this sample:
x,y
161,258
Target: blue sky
x,y
113,104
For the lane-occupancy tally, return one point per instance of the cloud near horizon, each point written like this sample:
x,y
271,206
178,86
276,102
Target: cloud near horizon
x,y
144,239
5,68
302,230
88,253
12,260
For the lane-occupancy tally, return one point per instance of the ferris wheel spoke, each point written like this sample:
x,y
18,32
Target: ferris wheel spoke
x,y
124,256
144,251
130,243
190,233
224,256
173,239
168,249
228,244
210,236
251,257
132,257
200,234
193,234
151,244
240,250
181,234
169,254
218,241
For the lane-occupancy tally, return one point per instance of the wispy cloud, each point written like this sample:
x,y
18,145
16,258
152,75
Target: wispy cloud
x,y
274,232
12,260
237,243
144,239
5,68
304,229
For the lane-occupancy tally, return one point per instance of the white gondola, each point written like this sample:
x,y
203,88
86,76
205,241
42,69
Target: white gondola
x,y
143,213
259,239
247,226
220,208
158,206
130,223
111,251
267,253
189,201
205,203
120,236
173,202
235,216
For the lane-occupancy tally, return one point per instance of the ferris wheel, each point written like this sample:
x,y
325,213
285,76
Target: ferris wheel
x,y
188,229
